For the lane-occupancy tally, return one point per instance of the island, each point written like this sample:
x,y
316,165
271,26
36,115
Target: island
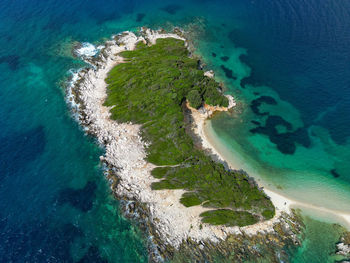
x,y
145,97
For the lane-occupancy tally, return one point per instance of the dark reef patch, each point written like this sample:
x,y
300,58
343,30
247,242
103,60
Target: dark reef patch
x,y
79,198
17,150
228,72
238,38
338,127
140,17
13,61
274,120
253,79
225,58
285,142
255,122
213,54
171,9
93,255
255,104
334,173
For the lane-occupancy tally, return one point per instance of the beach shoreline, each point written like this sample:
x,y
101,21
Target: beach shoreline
x,y
125,155
280,201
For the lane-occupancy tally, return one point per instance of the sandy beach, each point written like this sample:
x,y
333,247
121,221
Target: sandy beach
x,y
280,201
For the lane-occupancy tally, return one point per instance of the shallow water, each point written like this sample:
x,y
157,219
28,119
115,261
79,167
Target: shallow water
x,y
291,126
55,203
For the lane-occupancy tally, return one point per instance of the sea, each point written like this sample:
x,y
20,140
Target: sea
x,y
287,63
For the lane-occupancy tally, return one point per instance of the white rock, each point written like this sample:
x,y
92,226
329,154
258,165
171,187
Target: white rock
x,y
343,249
209,74
231,101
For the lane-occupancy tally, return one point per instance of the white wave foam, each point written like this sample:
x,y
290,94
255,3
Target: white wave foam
x,y
70,98
87,50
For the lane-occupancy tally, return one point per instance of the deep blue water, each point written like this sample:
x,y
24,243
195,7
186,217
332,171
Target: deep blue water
x,y
306,58
55,205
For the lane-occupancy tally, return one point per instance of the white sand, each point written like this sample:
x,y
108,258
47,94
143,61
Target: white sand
x,y
281,202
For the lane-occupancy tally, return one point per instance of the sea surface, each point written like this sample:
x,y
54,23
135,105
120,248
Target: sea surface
x,y
286,62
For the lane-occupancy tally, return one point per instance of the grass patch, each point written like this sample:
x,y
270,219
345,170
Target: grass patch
x,y
229,217
150,90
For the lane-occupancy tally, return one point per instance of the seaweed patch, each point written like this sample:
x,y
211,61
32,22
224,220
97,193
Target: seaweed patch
x,y
225,58
255,104
334,173
228,72
140,17
285,142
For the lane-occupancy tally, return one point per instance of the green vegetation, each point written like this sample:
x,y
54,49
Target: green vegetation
x,y
194,98
151,90
228,217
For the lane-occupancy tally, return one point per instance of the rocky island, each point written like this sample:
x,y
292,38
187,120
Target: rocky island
x,y
145,97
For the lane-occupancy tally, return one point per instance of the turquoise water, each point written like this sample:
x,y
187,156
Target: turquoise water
x,y
55,202
320,235
289,98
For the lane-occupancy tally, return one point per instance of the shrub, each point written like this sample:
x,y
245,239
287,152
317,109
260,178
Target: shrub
x,y
194,99
268,214
213,97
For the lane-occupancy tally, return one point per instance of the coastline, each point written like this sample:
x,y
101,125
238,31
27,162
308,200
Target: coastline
x,y
125,155
280,201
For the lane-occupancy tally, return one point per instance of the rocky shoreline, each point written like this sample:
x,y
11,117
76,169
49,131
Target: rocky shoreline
x,y
170,226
